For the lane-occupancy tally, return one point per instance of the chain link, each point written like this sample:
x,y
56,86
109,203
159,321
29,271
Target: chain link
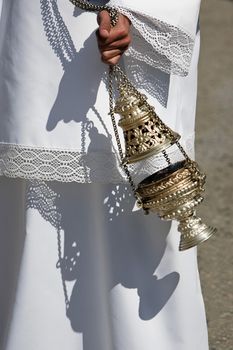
x,y
60,265
115,128
88,6
166,157
183,152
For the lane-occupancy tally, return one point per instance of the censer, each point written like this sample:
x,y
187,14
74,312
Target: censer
x,y
173,192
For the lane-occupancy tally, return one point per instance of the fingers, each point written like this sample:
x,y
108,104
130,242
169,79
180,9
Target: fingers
x,y
114,60
118,44
104,22
118,32
112,41
111,56
108,55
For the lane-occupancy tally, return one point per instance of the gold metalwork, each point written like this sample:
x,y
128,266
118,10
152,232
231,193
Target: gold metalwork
x,y
144,132
174,193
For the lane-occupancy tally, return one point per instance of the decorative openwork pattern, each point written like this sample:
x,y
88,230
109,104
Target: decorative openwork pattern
x,y
30,162
142,138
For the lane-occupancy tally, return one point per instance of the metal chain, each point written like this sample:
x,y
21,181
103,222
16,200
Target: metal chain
x,y
60,266
183,152
87,6
112,114
168,160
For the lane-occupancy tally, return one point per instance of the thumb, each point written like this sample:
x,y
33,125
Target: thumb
x,y
104,22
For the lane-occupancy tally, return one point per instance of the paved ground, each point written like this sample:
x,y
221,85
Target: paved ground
x,y
214,153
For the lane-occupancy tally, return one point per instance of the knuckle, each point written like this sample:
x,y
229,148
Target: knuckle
x,y
123,32
104,55
115,60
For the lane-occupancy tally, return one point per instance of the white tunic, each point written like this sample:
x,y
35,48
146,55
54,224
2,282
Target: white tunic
x,y
54,121
79,268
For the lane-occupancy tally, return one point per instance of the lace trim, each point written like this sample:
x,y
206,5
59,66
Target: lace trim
x,y
70,165
159,44
56,164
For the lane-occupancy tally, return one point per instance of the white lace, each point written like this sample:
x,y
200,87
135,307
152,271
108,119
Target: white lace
x,y
159,44
69,165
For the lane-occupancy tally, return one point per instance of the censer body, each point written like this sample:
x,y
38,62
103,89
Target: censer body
x,y
175,191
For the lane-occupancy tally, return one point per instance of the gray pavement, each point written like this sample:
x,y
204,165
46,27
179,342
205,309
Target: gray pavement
x,y
214,149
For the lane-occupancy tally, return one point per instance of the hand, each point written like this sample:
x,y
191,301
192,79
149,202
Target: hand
x,y
112,41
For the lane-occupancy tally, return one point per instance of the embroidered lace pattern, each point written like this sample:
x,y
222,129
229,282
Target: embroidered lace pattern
x,y
69,165
53,164
159,44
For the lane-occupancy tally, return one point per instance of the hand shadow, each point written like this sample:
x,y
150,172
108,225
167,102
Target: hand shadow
x,y
77,90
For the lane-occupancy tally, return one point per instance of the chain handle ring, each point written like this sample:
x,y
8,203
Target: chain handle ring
x,y
88,6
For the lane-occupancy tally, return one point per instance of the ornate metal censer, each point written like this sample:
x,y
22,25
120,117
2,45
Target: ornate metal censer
x,y
173,192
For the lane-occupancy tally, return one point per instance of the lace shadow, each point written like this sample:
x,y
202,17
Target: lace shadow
x,y
154,81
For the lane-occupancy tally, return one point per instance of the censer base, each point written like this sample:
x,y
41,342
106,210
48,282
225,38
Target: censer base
x,y
189,240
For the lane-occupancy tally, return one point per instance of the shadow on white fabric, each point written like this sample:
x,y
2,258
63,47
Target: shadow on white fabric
x,y
99,252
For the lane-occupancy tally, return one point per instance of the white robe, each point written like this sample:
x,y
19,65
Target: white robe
x,y
79,269
53,96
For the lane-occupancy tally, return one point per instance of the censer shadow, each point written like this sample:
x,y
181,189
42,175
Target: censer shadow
x,y
107,245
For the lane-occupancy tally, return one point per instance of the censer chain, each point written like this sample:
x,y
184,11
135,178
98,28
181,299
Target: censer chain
x,y
117,137
87,6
